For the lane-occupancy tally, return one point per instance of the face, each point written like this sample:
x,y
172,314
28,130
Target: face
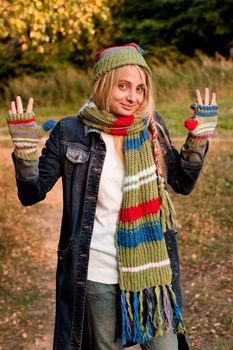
x,y
128,94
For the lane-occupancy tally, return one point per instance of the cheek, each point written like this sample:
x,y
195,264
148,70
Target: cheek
x,y
115,103
140,99
118,96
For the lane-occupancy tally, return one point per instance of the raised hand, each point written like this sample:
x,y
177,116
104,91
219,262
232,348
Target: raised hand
x,y
202,124
24,131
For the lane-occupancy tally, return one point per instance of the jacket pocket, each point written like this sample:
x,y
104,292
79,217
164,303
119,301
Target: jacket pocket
x,y
77,155
75,160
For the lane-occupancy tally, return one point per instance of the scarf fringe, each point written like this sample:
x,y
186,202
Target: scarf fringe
x,y
167,210
150,313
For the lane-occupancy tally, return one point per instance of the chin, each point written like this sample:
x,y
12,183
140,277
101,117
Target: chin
x,y
123,112
126,114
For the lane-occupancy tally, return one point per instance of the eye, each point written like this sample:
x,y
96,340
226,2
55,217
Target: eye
x,y
140,89
122,86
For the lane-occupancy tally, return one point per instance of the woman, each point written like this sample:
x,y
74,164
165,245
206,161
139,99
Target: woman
x,y
118,268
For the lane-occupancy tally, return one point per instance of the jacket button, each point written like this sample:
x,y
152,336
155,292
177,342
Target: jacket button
x,y
88,227
83,255
91,198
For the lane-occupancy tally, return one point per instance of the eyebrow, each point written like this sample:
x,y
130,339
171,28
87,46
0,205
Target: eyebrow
x,y
126,81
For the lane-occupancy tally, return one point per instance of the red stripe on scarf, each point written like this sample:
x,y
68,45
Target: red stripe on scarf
x,y
124,121
143,209
118,132
121,122
23,121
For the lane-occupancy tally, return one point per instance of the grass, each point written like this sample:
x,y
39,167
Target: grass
x,y
206,216
63,92
206,232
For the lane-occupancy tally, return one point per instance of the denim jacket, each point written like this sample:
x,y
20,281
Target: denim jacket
x,y
76,153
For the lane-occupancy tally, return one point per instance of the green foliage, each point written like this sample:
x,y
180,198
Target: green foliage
x,y
14,62
38,36
184,26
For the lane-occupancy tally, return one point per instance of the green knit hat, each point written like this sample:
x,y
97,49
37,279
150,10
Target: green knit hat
x,y
117,56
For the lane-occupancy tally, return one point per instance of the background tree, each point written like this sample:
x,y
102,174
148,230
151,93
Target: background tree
x,y
38,35
33,31
172,28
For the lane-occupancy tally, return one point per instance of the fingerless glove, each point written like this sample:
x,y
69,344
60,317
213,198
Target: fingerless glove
x,y
201,126
26,134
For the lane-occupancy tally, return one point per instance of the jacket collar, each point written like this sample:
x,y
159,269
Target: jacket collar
x,y
88,129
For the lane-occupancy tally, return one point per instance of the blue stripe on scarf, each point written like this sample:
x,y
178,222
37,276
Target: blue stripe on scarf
x,y
144,233
136,142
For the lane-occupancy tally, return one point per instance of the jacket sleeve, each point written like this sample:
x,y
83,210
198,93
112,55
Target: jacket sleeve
x,y
183,168
35,178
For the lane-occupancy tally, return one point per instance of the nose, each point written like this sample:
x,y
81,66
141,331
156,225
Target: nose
x,y
131,95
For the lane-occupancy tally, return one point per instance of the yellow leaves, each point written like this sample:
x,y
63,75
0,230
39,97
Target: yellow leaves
x,y
39,5
23,38
17,24
24,47
40,49
41,22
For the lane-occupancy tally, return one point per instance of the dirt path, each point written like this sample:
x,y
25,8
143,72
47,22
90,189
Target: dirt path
x,y
49,226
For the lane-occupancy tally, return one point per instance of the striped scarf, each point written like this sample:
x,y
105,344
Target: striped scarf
x,y
148,303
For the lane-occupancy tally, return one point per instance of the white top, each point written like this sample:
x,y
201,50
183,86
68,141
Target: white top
x,y
103,256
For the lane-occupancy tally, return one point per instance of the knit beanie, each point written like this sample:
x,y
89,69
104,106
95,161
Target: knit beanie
x,y
117,56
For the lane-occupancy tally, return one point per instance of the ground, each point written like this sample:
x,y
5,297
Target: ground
x,y
46,224
29,238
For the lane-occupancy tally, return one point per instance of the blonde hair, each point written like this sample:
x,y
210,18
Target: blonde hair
x,y
102,94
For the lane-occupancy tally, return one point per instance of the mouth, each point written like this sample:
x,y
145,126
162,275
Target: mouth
x,y
128,107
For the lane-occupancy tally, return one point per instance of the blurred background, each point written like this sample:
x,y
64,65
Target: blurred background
x,y
47,51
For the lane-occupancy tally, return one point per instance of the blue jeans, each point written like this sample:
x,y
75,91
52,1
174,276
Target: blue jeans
x,y
101,318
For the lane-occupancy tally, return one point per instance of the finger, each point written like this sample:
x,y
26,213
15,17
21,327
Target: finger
x,y
10,110
198,97
13,107
213,100
30,105
206,97
19,105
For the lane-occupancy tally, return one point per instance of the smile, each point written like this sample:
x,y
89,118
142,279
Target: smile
x,y
127,106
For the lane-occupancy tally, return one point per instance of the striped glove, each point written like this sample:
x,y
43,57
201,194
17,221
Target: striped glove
x,y
202,125
26,134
